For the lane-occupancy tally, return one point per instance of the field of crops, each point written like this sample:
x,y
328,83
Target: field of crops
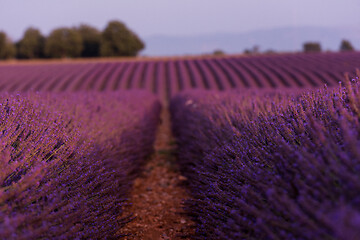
x,y
274,155
67,162
167,77
271,165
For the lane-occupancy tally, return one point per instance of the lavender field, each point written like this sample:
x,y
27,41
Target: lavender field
x,y
166,77
271,165
68,161
267,145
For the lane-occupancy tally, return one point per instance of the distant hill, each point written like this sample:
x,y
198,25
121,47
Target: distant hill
x,y
280,39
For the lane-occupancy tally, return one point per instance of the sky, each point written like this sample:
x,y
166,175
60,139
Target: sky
x,y
176,17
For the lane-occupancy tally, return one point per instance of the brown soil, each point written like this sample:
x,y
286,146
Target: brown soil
x,y
158,194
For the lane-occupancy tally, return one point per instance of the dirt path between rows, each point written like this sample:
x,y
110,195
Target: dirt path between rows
x,y
158,194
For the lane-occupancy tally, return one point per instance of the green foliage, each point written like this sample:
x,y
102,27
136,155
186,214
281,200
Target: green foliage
x,y
7,48
311,47
64,42
218,52
91,38
270,52
346,46
118,40
31,45
255,50
83,41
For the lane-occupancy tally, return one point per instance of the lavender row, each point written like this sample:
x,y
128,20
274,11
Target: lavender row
x,y
68,161
271,165
167,77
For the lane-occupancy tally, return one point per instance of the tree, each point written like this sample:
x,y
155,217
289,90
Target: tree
x,y
91,38
255,50
346,46
118,40
311,47
270,52
63,42
7,48
218,52
31,45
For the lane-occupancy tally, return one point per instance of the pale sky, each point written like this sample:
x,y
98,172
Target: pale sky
x,y
176,17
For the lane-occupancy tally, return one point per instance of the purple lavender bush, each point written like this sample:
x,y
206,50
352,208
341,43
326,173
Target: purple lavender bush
x,y
271,165
68,160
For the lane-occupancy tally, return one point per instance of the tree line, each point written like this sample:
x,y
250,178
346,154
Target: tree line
x,y
307,47
82,41
310,47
